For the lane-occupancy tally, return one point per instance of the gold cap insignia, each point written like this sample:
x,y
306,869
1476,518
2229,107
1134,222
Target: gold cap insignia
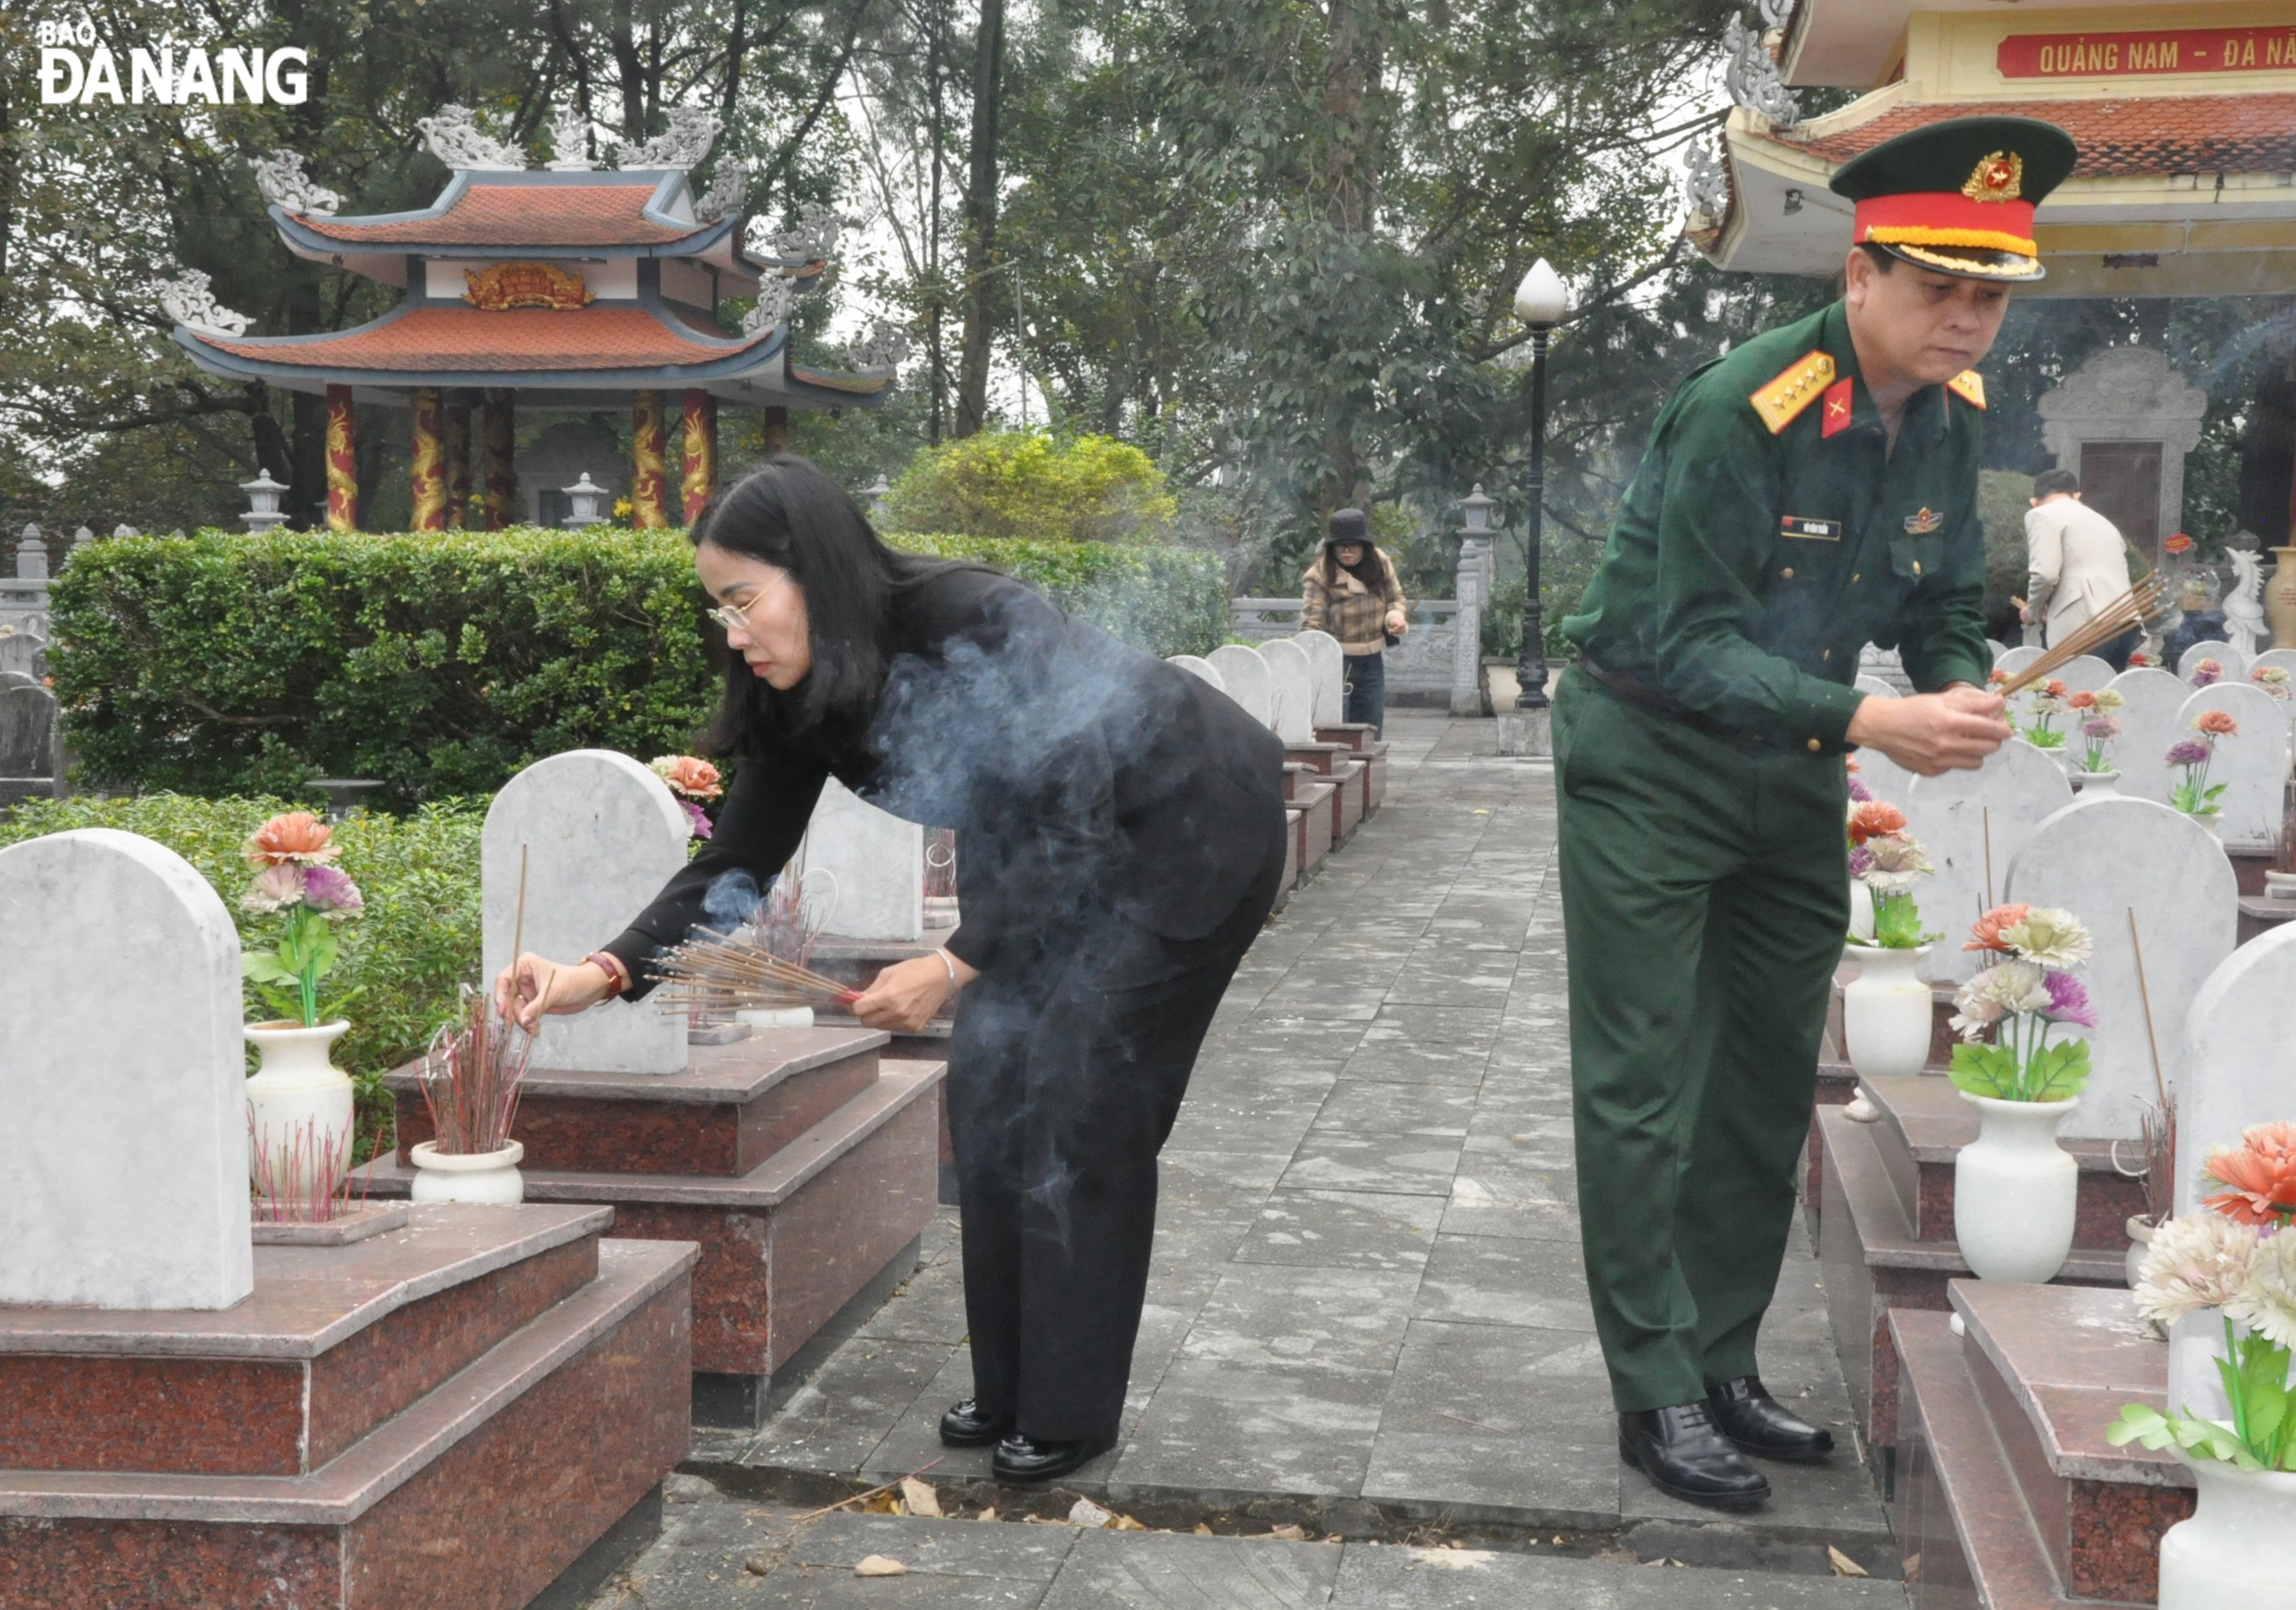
x,y
2000,177
1921,524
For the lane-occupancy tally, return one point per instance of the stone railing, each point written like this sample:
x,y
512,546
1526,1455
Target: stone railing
x,y
1440,660
24,606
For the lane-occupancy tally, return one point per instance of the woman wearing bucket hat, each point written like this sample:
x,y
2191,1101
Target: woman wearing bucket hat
x,y
1352,591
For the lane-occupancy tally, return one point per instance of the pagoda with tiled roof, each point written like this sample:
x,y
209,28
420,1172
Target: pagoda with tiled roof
x,y
568,288
2184,113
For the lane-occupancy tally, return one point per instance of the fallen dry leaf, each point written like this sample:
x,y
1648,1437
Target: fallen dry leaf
x,y
881,1503
1125,1523
878,1564
919,1496
1843,1566
1203,1528
1289,1534
988,1513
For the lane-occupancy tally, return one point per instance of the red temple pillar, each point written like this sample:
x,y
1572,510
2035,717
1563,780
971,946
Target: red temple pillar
x,y
700,478
342,462
499,491
458,467
428,456
648,512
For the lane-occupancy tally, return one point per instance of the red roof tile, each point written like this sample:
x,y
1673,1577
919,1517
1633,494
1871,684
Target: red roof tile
x,y
450,340
2136,137
520,214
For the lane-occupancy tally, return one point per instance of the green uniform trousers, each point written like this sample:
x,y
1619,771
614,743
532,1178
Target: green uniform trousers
x,y
1705,894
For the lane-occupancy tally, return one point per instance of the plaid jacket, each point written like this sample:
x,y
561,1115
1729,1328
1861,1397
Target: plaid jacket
x,y
1348,610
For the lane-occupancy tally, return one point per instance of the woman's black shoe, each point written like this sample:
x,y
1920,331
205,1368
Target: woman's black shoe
x,y
1021,1458
1686,1457
965,1426
1750,1417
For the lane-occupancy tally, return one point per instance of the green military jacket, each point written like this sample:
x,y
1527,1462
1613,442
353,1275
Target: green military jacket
x,y
1770,533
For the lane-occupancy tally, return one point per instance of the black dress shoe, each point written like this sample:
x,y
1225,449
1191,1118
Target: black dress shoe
x,y
1686,1457
1750,1417
1022,1459
964,1425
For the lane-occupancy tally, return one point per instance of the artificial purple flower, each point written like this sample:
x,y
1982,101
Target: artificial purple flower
x,y
697,817
2101,726
2207,674
1861,861
1858,791
2187,752
2069,1001
332,891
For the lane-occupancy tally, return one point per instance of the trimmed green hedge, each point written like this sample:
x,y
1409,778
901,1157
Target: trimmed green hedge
x,y
418,939
441,663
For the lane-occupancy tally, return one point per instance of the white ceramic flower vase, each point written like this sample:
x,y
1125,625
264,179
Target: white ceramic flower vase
x,y
1861,912
489,1179
2239,1547
295,1094
2280,886
2140,1242
2096,785
1886,1012
2014,1189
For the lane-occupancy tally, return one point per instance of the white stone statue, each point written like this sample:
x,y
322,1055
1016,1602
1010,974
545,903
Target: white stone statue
x,y
454,138
569,138
1705,185
729,190
885,347
813,238
1752,77
776,296
187,300
692,131
280,177
2246,627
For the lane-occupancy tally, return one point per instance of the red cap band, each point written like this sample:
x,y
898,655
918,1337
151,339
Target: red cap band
x,y
1946,217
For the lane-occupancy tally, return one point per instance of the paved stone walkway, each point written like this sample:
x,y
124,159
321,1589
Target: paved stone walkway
x,y
1367,1313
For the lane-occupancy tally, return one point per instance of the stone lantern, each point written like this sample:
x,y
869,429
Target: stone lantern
x,y
877,492
263,499
589,501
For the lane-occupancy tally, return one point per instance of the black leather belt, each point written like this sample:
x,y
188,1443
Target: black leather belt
x,y
1641,694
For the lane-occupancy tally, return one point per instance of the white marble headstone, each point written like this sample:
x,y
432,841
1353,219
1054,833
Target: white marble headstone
x,y
602,835
1330,662
1998,648
1295,690
2232,1073
2013,660
126,1114
1246,678
1198,669
2223,653
1956,817
2148,726
2285,658
2085,673
876,861
2100,860
2252,763
1884,777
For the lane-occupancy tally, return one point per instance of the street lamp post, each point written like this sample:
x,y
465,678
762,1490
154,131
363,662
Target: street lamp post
x,y
1541,302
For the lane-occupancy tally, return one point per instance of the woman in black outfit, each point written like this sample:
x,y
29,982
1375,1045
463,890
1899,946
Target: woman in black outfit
x,y
1121,827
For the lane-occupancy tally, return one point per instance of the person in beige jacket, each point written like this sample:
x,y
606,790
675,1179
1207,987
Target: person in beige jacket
x,y
1352,591
2077,563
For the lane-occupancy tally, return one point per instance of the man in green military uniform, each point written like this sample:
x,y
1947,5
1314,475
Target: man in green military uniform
x,y
1813,491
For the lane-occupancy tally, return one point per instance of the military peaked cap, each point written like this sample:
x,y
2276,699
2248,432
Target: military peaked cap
x,y
1957,196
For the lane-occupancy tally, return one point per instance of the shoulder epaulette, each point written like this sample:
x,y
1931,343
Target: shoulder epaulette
x,y
1969,386
1782,401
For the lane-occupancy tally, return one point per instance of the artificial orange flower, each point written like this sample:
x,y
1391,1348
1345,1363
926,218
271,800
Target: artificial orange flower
x,y
1997,676
695,778
2053,688
1872,818
1986,935
2260,1174
2082,700
292,836
2217,723
1849,762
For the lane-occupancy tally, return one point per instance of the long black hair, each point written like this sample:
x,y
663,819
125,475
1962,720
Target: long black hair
x,y
788,514
1366,569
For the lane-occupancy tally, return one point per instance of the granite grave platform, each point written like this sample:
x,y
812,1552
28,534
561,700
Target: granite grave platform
x,y
477,1408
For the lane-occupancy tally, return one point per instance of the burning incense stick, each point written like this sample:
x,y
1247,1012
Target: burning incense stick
x,y
2143,994
711,971
2129,610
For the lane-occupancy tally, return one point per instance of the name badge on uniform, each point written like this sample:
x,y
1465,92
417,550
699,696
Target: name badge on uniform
x,y
1798,525
1924,522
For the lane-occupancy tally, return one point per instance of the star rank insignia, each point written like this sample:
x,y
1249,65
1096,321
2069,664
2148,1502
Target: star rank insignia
x,y
1840,407
1998,177
1924,522
1969,386
1791,391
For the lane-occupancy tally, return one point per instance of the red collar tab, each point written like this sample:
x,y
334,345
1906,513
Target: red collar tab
x,y
1841,403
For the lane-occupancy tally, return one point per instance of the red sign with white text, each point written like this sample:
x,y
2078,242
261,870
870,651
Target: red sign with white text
x,y
2117,54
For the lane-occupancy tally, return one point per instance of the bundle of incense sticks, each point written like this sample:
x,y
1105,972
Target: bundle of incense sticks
x,y
2129,610
711,971
471,1075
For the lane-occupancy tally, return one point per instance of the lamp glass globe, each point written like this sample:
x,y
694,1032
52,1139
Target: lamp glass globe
x,y
1541,299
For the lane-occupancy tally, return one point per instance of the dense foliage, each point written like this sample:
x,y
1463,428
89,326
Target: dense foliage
x,y
1025,483
442,662
400,961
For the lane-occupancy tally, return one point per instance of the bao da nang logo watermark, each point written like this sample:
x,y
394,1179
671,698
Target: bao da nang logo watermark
x,y
77,66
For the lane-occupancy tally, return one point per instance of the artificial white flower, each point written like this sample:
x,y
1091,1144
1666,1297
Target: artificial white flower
x,y
2267,1302
2195,1262
2051,937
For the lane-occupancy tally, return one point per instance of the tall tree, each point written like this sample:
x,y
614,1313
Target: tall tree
x,y
980,259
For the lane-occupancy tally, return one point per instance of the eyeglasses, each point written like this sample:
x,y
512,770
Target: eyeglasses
x,y
733,619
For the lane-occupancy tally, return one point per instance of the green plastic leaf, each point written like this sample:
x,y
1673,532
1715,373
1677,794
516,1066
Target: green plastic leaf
x,y
2058,1072
264,967
2139,1422
1984,1070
